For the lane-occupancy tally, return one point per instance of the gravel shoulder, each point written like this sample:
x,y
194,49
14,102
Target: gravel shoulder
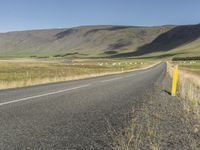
x,y
159,122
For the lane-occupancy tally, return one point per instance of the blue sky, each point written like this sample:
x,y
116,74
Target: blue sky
x,y
37,14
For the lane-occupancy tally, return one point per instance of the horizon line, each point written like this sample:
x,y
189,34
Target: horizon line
x,y
90,25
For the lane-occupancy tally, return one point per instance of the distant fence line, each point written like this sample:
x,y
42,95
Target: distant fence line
x,y
186,58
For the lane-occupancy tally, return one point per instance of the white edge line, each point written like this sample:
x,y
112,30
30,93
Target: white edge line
x,y
42,95
143,71
111,79
130,75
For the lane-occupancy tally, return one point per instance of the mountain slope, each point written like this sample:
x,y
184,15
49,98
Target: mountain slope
x,y
103,41
180,40
88,40
176,38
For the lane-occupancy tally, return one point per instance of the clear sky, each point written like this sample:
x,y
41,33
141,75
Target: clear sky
x,y
37,14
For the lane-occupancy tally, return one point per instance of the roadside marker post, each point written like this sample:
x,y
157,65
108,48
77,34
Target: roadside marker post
x,y
174,80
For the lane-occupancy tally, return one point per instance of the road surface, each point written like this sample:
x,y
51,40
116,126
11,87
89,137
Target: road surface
x,y
74,114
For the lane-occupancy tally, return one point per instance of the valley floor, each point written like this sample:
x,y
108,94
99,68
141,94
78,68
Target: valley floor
x,y
26,72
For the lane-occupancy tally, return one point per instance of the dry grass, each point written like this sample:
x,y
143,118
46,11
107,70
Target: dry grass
x,y
19,73
189,84
141,132
189,91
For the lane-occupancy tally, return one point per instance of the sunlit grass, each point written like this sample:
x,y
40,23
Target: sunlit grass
x,y
17,73
193,66
189,88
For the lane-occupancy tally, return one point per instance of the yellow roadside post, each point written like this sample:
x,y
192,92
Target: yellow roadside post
x,y
174,80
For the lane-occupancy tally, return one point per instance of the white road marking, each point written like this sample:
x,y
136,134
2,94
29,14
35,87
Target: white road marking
x,y
111,79
42,95
138,73
131,75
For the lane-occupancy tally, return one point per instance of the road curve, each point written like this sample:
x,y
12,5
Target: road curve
x,y
74,114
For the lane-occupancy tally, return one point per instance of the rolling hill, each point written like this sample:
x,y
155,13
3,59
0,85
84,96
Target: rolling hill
x,y
103,41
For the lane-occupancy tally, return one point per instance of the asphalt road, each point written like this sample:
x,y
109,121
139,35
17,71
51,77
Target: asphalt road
x,y
73,114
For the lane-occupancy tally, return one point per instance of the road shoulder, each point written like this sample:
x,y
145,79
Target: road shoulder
x,y
161,122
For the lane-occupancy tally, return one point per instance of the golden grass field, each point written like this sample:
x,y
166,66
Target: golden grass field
x,y
26,72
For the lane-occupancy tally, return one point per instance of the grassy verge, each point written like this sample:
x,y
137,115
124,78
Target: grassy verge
x,y
160,121
25,72
189,81
189,88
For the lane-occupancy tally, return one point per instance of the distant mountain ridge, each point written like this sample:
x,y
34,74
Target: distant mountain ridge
x,y
98,41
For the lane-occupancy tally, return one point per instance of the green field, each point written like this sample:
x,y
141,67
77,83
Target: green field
x,y
191,66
